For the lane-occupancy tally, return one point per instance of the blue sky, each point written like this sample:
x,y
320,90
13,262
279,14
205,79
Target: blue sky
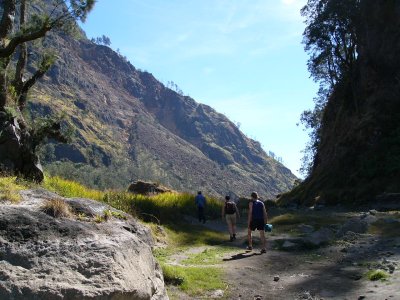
x,y
244,58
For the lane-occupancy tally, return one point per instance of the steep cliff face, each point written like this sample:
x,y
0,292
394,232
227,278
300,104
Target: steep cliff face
x,y
129,125
359,154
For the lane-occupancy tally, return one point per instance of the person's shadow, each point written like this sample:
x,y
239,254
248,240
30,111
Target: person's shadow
x,y
241,256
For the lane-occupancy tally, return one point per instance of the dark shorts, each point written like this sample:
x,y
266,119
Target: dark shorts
x,y
257,224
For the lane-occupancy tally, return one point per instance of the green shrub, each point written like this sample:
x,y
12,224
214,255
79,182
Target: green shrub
x,y
377,275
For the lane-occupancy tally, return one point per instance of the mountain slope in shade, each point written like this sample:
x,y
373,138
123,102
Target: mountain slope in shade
x,y
129,125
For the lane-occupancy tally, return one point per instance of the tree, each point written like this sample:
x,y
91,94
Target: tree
x,y
102,40
331,40
17,29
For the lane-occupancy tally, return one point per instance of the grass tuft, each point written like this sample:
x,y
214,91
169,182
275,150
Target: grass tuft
x,y
57,208
9,189
377,275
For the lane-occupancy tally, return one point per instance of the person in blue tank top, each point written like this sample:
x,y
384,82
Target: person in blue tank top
x,y
256,220
200,202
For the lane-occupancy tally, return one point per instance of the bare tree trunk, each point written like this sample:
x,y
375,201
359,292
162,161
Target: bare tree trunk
x,y
22,57
6,27
6,23
3,82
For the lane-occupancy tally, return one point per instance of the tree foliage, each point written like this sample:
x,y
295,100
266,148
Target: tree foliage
x,y
16,30
331,40
102,40
23,22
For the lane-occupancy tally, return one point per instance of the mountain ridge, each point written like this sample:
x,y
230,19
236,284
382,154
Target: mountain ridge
x,y
121,114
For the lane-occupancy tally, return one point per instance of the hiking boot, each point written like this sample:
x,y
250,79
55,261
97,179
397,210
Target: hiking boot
x,y
249,248
263,251
231,239
234,237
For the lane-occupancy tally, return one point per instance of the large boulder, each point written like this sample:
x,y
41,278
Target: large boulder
x,y
82,256
146,188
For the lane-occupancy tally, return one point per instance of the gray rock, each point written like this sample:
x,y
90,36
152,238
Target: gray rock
x,y
373,212
216,294
63,258
288,245
321,237
357,225
304,228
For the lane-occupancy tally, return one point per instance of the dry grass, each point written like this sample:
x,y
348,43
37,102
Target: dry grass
x,y
57,208
9,189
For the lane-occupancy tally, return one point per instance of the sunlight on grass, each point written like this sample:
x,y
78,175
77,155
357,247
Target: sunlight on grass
x,y
193,275
209,256
190,236
306,218
69,188
9,189
161,208
194,280
374,275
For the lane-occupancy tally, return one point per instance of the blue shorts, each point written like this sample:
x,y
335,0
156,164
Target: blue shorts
x,y
257,224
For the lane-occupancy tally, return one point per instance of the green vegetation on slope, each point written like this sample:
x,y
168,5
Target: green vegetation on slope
x,y
162,207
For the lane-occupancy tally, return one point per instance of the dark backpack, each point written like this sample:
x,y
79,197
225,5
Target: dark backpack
x,y
230,208
258,210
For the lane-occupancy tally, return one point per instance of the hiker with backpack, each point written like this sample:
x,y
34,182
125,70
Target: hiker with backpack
x,y
200,202
230,213
256,220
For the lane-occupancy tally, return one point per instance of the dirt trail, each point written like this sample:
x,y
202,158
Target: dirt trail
x,y
333,272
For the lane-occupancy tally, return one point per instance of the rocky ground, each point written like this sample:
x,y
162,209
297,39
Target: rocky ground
x,y
337,270
333,272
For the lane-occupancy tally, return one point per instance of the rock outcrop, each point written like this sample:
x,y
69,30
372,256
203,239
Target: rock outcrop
x,y
146,188
42,257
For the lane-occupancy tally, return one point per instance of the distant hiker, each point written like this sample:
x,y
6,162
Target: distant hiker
x,y
256,220
200,201
229,213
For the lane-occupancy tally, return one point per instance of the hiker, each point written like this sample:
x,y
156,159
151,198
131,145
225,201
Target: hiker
x,y
256,220
200,201
229,213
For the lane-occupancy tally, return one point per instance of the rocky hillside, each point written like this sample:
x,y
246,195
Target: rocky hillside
x,y
128,125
